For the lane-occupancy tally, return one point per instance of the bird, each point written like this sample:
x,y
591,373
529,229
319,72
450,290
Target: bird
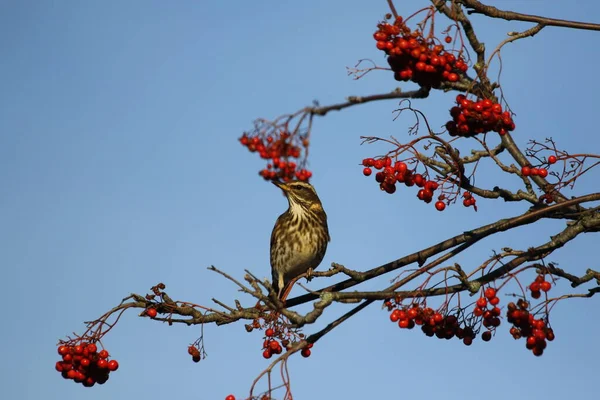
x,y
299,238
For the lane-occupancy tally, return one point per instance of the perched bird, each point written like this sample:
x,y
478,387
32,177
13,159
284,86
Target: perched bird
x,y
299,238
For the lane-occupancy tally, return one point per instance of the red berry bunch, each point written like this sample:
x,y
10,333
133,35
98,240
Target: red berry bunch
x,y
486,307
415,58
274,343
469,200
470,118
431,322
388,176
272,346
195,353
84,364
533,171
525,325
540,284
284,150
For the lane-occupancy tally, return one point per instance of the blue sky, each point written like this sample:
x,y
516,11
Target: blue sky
x,y
120,168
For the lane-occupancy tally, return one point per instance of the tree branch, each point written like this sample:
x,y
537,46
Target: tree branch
x,y
493,12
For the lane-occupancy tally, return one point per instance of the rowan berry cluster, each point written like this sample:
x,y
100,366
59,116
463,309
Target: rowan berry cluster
x,y
283,149
432,323
533,171
525,325
388,176
470,118
84,364
195,353
469,200
540,284
274,343
487,308
416,58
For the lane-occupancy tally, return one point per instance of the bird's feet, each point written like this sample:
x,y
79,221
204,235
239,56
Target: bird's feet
x,y
309,275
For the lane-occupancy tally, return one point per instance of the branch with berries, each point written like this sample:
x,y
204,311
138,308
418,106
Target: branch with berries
x,y
440,296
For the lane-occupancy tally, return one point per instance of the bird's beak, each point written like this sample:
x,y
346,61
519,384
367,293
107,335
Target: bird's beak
x,y
281,185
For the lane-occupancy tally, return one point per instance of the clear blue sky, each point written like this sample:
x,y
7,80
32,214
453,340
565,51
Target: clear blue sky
x,y
120,168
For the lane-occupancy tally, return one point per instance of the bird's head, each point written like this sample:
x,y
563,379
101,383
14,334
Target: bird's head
x,y
300,193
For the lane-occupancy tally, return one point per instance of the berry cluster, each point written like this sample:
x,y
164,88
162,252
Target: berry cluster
x,y
540,284
279,149
389,176
470,118
84,364
469,200
273,345
415,58
533,171
195,353
525,325
432,323
487,308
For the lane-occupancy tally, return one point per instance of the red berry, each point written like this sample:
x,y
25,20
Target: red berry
x,y
103,354
62,350
85,362
543,172
448,39
526,171
481,302
486,336
267,354
440,205
102,363
273,346
59,366
367,171
269,332
113,365
412,313
551,159
494,301
305,352
230,397
151,312
452,77
92,348
545,286
490,293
